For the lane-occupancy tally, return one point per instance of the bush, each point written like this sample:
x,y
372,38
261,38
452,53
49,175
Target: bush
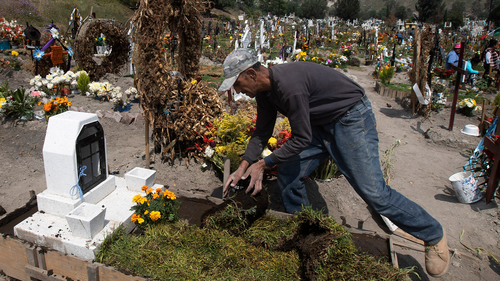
x,y
18,104
354,62
83,82
386,75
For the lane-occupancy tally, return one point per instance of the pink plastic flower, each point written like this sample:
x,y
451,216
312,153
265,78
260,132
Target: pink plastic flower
x,y
36,94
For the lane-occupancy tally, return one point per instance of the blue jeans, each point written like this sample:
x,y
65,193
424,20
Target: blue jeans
x,y
352,141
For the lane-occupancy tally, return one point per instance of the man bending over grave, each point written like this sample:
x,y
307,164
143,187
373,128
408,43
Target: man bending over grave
x,y
329,115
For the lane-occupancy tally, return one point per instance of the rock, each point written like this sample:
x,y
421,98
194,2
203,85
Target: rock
x,y
99,114
139,120
108,114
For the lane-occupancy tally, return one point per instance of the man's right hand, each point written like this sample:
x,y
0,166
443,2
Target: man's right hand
x,y
234,178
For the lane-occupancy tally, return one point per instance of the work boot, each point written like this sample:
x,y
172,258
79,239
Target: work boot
x,y
437,258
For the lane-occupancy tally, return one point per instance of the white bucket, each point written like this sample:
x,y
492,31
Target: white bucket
x,y
465,186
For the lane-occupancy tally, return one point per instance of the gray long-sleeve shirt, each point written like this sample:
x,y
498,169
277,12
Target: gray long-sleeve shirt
x,y
308,94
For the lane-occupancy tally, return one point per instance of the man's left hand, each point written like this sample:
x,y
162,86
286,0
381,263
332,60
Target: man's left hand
x,y
256,172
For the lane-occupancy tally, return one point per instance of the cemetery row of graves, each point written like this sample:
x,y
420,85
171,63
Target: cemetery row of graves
x,y
188,117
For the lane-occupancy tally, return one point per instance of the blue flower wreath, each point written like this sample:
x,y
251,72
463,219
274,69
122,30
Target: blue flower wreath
x,y
38,54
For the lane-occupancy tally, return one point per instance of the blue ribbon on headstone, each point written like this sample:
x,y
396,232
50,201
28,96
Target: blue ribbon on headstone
x,y
76,189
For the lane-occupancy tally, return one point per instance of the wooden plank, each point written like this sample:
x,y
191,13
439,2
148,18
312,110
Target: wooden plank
x,y
13,257
93,271
66,265
41,274
111,274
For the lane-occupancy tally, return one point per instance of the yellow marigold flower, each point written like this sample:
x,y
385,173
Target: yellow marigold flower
x,y
137,198
140,220
144,188
272,142
146,212
158,190
142,200
193,82
155,215
155,195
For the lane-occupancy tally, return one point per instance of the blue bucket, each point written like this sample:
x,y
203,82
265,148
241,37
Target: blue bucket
x,y
4,44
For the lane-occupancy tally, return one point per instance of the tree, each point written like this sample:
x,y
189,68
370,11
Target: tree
x,y
347,9
456,15
314,9
428,9
401,12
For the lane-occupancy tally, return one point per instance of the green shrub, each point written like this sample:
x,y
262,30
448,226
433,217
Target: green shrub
x,y
83,83
386,75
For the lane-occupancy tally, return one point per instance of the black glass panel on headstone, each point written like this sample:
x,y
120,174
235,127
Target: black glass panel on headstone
x,y
90,152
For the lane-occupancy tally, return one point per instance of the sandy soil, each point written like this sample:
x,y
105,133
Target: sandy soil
x,y
430,154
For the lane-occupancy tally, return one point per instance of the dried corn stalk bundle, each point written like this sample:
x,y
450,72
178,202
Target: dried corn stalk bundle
x,y
116,39
218,55
179,111
421,65
184,19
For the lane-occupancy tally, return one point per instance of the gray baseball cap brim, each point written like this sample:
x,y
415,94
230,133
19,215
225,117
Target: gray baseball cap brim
x,y
236,62
228,83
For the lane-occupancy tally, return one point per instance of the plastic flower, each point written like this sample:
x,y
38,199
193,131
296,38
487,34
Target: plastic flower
x,y
193,82
70,51
2,101
209,152
155,215
14,53
266,152
272,141
38,54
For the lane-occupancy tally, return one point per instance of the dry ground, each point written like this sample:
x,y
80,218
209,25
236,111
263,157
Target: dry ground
x,y
421,168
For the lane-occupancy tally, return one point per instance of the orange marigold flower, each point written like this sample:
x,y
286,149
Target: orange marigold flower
x,y
146,212
144,187
158,190
155,196
135,217
149,191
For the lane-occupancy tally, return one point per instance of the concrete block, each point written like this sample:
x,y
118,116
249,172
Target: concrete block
x,y
86,220
117,116
139,120
100,191
108,114
55,204
127,119
99,114
139,177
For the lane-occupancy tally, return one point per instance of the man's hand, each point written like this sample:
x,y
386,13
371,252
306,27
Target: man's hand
x,y
233,179
256,172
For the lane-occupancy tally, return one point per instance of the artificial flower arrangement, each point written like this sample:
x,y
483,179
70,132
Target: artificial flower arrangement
x,y
347,51
156,207
333,60
482,160
467,106
56,81
11,30
229,136
18,103
55,106
100,90
443,73
100,41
